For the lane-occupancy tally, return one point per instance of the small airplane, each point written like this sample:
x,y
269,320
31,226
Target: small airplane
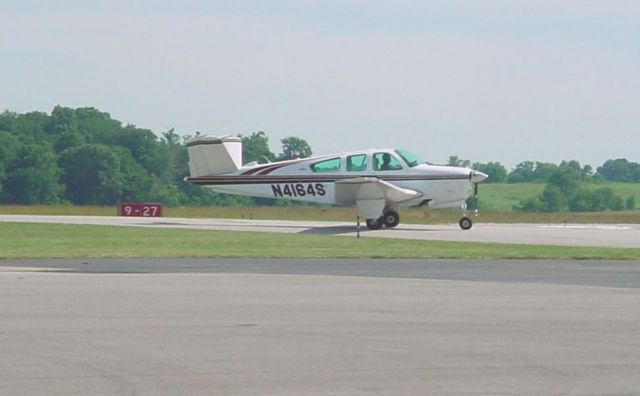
x,y
377,181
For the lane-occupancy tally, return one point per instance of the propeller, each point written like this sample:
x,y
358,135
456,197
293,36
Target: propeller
x,y
476,177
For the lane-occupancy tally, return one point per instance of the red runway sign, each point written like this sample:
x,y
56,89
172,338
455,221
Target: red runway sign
x,y
138,209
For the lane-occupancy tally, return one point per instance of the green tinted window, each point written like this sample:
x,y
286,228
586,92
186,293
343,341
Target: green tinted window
x,y
330,165
357,163
385,162
410,158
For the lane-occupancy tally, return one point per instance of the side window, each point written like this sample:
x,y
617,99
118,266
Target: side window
x,y
357,163
330,165
385,162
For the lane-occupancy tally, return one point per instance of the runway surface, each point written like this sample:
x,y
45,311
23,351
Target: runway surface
x,y
352,327
569,272
594,235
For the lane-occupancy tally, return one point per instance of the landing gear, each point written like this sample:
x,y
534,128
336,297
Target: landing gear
x,y
465,223
389,219
374,224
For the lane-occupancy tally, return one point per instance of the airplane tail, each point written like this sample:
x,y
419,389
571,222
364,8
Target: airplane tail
x,y
212,156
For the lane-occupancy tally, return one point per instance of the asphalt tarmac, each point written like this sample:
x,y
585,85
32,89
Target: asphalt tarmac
x,y
594,235
345,327
568,272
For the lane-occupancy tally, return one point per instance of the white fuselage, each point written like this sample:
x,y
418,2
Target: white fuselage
x,y
304,180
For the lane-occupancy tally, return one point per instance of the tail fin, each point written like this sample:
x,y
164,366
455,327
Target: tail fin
x,y
211,155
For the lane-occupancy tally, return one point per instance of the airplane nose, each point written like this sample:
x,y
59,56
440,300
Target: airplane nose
x,y
477,177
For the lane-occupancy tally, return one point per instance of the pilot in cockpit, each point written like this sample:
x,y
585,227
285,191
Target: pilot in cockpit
x,y
386,162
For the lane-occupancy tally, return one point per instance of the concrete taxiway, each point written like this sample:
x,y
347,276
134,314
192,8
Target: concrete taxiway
x,y
594,235
356,327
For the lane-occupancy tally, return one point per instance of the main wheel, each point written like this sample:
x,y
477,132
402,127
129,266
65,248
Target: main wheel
x,y
374,224
391,218
465,223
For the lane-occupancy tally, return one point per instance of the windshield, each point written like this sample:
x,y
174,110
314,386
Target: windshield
x,y
410,158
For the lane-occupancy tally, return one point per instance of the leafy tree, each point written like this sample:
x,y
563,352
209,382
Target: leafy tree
x,y
138,183
62,126
108,175
33,178
563,192
565,179
68,139
616,203
146,149
573,166
528,171
553,199
92,175
524,172
63,119
127,163
580,201
544,171
97,126
294,147
455,161
177,155
30,126
635,171
530,204
8,153
255,147
620,170
630,203
8,120
604,198
496,171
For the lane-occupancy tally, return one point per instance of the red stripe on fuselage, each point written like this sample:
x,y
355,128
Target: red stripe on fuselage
x,y
268,168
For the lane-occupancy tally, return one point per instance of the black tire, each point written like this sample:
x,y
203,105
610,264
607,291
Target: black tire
x,y
391,218
465,223
374,224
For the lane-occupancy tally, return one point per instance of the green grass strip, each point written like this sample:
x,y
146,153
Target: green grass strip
x,y
22,240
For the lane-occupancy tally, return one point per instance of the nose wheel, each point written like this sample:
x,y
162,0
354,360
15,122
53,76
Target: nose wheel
x,y
465,223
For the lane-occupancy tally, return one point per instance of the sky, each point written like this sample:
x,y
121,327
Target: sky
x,y
492,80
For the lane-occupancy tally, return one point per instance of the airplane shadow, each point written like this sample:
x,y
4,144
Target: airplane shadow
x,y
319,230
332,230
338,230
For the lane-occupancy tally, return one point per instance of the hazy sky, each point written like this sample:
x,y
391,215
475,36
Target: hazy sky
x,y
486,80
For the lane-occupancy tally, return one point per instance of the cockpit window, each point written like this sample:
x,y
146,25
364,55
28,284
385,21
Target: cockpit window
x,y
357,163
385,162
410,158
330,165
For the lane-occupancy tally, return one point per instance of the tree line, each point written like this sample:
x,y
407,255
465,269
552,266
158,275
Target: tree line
x,y
613,170
84,157
567,184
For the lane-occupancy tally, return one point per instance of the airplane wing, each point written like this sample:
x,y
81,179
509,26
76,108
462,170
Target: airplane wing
x,y
371,194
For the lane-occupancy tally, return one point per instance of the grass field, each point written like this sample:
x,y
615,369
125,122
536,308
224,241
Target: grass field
x,y
20,240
